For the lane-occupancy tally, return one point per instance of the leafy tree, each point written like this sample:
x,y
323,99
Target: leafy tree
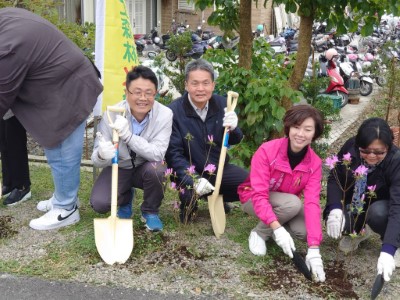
x,y
260,91
367,13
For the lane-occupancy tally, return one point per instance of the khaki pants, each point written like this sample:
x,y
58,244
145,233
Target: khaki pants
x,y
289,210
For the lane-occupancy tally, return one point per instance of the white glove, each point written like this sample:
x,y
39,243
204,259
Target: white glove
x,y
315,265
121,125
335,223
230,119
386,265
203,186
284,240
106,148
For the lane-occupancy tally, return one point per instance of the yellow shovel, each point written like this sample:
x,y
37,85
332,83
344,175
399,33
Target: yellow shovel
x,y
114,236
215,200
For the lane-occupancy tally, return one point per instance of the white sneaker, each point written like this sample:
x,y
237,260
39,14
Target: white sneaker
x,y
257,245
46,205
56,218
397,258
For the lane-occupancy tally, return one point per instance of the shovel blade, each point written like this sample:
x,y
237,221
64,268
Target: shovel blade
x,y
114,239
217,214
301,265
377,287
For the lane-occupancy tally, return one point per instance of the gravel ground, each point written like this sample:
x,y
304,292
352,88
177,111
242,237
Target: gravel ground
x,y
214,270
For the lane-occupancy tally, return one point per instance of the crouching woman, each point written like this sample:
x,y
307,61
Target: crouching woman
x,y
283,171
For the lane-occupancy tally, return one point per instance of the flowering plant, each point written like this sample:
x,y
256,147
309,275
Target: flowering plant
x,y
170,179
358,203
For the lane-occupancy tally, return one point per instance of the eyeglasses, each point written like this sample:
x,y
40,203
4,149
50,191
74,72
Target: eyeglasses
x,y
374,152
138,94
196,84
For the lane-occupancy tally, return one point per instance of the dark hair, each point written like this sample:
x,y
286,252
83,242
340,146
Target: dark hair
x,y
374,129
141,72
298,113
199,64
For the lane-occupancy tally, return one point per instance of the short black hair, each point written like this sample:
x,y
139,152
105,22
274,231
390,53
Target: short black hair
x,y
374,129
297,114
141,72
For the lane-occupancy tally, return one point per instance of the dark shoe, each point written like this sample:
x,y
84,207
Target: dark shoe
x,y
16,196
5,191
228,207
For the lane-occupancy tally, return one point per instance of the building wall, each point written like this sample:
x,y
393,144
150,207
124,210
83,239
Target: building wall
x,y
170,12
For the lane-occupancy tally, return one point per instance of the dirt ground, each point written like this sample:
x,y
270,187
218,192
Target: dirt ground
x,y
215,270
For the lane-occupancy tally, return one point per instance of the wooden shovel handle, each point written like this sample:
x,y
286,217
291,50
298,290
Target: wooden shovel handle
x,y
231,102
117,109
114,167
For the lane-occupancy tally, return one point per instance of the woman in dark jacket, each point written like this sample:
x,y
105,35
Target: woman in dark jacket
x,y
371,198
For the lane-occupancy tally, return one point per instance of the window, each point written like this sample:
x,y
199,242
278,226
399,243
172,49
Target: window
x,y
184,5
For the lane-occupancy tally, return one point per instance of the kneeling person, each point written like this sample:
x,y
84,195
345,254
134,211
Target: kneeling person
x,y
144,137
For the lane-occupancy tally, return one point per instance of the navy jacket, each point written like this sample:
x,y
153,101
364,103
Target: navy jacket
x,y
182,152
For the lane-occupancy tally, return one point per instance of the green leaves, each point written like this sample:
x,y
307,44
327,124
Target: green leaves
x,y
260,92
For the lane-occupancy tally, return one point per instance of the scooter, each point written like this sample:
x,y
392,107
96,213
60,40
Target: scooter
x,y
336,84
350,66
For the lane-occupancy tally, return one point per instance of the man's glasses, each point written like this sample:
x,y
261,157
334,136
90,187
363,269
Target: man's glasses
x,y
138,94
375,152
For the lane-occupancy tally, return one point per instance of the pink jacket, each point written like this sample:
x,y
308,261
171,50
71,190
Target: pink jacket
x,y
270,171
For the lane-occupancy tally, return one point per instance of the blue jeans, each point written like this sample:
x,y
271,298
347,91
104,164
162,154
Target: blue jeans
x,y
65,162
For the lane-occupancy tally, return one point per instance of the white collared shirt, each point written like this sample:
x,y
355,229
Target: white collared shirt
x,y
201,112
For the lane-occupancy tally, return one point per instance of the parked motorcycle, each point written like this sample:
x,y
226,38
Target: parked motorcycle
x,y
349,67
328,68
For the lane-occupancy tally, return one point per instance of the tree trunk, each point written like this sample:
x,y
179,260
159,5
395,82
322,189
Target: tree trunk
x,y
303,53
246,34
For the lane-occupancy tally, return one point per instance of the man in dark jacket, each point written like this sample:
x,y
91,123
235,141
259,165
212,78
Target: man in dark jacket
x,y
196,140
51,88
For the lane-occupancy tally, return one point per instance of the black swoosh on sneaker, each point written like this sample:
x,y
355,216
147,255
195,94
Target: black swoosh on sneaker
x,y
60,218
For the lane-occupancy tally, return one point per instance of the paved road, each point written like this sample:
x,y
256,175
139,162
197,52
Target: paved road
x,y
348,114
28,288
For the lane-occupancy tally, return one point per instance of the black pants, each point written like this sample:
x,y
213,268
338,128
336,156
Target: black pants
x,y
149,177
231,178
14,154
377,218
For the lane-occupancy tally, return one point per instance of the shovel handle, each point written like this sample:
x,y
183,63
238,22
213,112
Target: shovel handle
x,y
231,102
117,109
114,167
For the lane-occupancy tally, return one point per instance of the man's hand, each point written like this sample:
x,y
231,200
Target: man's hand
x,y
335,223
203,187
386,265
121,125
284,240
315,265
106,148
230,119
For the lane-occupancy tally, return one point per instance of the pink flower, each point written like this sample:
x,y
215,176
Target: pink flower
x,y
168,172
347,157
361,171
181,190
372,188
176,205
191,170
210,168
210,138
173,185
331,161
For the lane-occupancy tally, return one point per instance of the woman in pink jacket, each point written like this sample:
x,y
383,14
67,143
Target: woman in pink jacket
x,y
283,171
